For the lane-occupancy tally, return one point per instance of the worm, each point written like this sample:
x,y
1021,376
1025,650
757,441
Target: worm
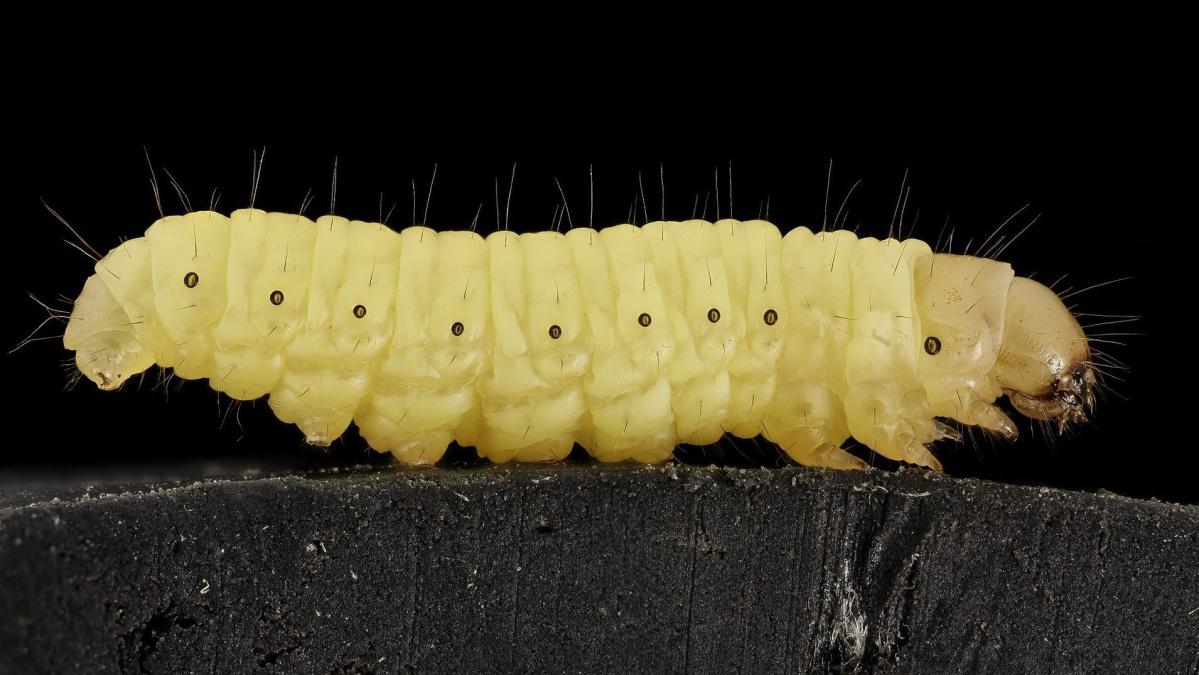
x,y
626,340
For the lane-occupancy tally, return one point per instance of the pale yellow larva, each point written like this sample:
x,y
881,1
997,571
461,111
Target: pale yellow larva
x,y
626,341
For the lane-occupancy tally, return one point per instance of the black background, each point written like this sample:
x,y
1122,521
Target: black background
x,y
1095,153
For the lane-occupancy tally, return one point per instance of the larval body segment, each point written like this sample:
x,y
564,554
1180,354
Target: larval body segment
x,y
188,258
752,252
424,394
532,390
806,417
266,251
350,316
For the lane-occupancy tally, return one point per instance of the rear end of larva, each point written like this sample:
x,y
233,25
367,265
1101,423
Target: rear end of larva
x,y
626,341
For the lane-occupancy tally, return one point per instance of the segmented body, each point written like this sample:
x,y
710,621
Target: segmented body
x,y
627,341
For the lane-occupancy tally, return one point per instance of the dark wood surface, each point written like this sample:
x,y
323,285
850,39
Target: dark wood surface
x,y
586,568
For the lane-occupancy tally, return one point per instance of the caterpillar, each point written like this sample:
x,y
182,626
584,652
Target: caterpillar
x,y
627,340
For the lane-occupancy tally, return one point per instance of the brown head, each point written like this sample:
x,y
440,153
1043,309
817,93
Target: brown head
x,y
1044,363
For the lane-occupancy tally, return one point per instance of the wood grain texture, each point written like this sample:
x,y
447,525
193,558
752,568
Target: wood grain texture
x,y
597,569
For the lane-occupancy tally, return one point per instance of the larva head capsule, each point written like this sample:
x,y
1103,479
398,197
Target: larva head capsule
x,y
100,332
1044,363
